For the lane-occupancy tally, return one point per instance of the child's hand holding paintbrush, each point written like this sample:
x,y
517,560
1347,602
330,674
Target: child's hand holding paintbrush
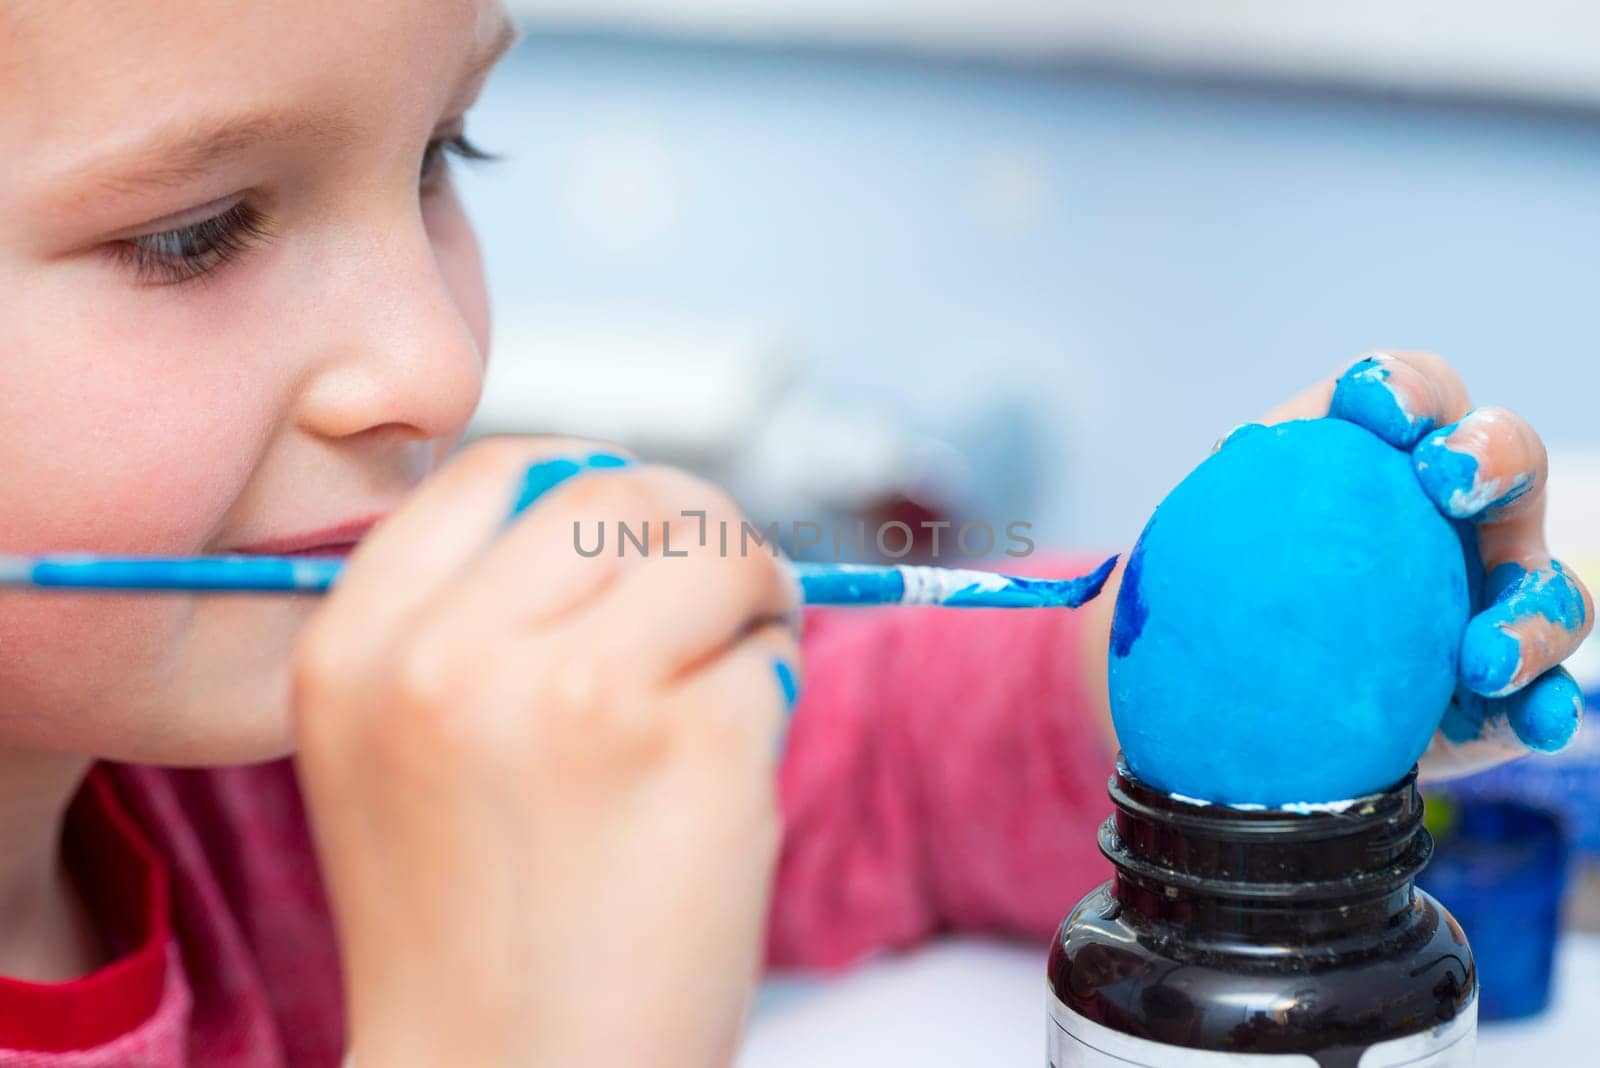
x,y
523,766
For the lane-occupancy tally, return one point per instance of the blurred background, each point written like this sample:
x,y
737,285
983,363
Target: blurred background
x,y
1024,260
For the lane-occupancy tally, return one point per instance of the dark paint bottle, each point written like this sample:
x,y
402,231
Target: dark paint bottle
x,y
1232,937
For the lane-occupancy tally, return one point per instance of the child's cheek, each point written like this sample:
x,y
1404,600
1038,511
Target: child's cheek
x,y
143,449
78,672
152,679
119,441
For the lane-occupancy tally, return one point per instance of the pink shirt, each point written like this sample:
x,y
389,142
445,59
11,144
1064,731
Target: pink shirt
x,y
944,773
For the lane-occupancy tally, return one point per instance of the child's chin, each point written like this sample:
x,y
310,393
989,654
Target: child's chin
x,y
232,736
215,721
234,749
228,699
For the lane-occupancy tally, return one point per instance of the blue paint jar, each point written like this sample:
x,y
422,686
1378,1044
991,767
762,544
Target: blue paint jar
x,y
1500,869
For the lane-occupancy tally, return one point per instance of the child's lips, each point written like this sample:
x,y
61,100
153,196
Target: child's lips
x,y
339,540
341,550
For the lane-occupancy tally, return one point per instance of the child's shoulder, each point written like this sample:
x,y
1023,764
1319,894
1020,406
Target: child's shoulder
x,y
248,907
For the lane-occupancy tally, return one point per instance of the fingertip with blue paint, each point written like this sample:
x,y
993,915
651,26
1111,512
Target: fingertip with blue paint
x,y
545,475
1528,606
1545,715
1366,396
1237,432
1451,473
1553,593
1491,655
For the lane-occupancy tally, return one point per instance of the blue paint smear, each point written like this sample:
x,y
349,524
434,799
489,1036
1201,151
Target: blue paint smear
x,y
1490,657
788,683
546,475
859,584
1128,618
1490,650
1545,714
1035,593
1293,632
1552,593
1519,489
1450,477
1364,397
1444,472
1467,717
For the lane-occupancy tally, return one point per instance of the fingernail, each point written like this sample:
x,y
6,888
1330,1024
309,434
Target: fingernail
x,y
1549,592
1546,714
795,618
546,475
1365,395
1237,431
788,683
1492,649
1450,476
1491,657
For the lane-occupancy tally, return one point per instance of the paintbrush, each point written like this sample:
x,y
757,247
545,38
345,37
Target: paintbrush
x,y
820,584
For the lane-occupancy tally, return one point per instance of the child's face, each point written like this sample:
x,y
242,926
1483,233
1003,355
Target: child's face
x,y
240,310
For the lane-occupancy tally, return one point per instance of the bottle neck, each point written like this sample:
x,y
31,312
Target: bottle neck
x,y
1284,876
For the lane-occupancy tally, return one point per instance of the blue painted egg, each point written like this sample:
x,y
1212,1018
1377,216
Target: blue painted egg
x,y
1288,627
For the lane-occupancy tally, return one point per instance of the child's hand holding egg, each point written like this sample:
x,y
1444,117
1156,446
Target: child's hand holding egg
x,y
1308,613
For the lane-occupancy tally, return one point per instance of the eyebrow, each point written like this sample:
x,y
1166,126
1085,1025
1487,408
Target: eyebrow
x,y
174,156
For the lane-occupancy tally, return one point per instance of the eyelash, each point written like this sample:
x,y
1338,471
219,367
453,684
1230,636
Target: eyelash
x,y
433,157
187,253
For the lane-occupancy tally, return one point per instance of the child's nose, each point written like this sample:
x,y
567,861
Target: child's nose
x,y
396,344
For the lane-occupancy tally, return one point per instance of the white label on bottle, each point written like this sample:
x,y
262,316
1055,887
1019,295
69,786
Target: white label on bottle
x,y
1076,1042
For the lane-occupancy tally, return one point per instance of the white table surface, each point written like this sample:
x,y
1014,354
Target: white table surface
x,y
965,1003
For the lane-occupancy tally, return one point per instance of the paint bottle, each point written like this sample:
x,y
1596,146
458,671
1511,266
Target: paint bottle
x,y
1268,938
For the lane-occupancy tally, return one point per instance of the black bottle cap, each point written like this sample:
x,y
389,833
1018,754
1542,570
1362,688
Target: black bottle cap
x,y
1362,848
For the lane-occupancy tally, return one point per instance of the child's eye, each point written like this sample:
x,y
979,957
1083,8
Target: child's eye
x,y
188,252
434,162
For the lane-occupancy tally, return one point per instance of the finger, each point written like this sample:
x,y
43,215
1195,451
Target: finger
x,y
443,526
1472,736
1478,732
1546,714
1476,725
750,690
1536,617
1484,466
546,475
564,551
1490,467
673,613
1399,396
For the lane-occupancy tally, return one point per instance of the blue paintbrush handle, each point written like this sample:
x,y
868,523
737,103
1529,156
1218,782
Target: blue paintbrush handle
x,y
852,584
820,584
195,574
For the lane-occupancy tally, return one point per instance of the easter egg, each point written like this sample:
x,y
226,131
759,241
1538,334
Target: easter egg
x,y
1289,623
